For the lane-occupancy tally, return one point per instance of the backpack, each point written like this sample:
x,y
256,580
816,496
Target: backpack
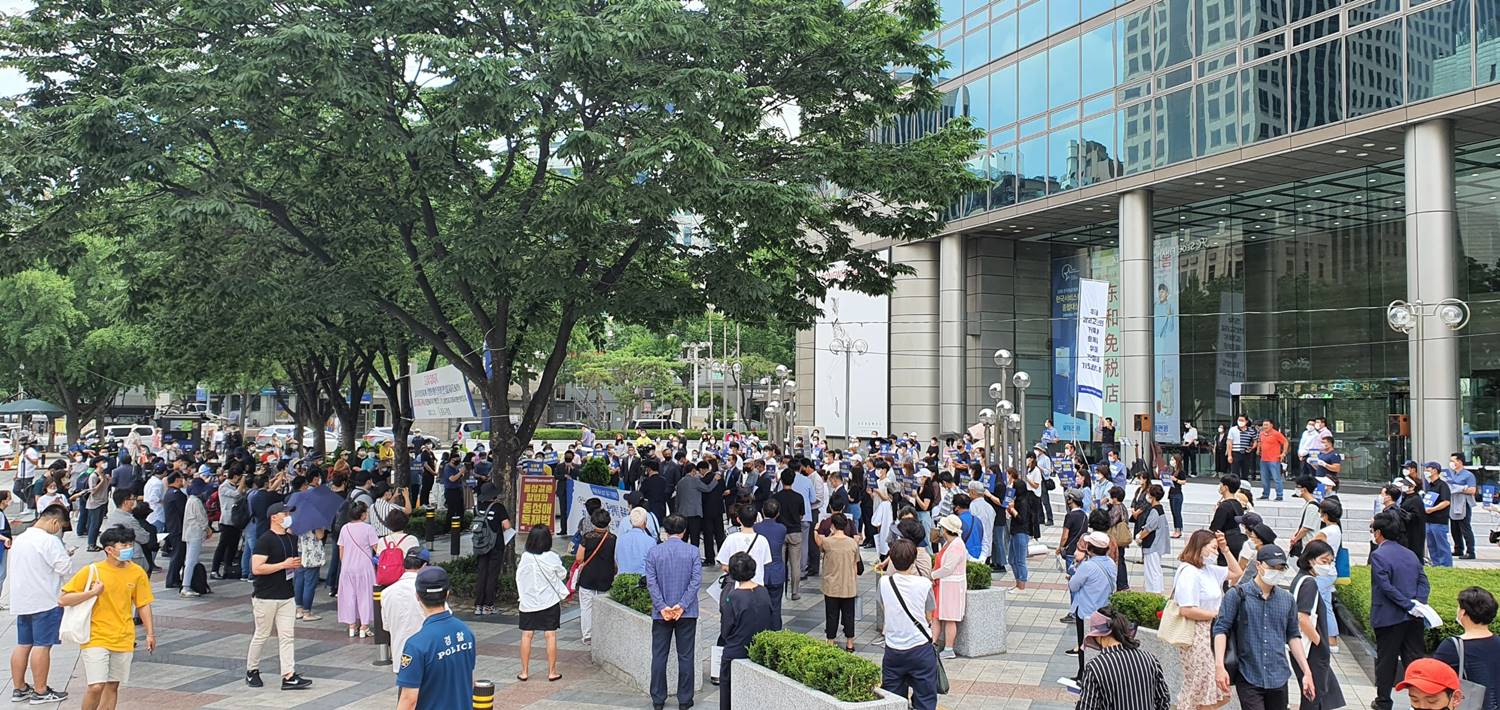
x,y
484,536
211,506
391,562
239,513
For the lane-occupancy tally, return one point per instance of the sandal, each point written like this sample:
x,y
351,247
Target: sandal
x,y
521,678
554,678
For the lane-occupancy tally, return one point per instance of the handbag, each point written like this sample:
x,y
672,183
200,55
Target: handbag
x,y
942,673
1174,628
78,619
1120,534
1474,693
580,563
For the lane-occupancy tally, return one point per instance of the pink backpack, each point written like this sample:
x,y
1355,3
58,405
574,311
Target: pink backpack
x,y
391,563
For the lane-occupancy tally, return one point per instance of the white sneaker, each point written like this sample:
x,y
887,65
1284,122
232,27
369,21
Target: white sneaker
x,y
1335,648
948,654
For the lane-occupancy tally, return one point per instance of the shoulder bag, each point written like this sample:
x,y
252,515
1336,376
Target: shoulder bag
x,y
1474,693
78,620
1175,629
942,673
580,562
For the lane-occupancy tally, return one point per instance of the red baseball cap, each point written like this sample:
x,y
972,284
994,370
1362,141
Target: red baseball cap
x,y
1429,675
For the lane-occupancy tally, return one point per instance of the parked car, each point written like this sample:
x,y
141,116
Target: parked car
x,y
381,434
115,434
7,446
655,424
282,432
566,425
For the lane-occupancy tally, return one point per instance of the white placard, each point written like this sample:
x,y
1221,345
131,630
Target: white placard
x,y
1093,306
441,394
612,498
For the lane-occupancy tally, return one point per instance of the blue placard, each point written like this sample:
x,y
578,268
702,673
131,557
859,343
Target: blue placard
x,y
1429,498
845,467
885,449
532,467
1319,492
1487,493
551,458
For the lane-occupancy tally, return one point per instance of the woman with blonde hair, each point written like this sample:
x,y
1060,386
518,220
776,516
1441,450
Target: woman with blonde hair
x,y
1198,589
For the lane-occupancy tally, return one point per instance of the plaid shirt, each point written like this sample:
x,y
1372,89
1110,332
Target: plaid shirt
x,y
674,574
1262,628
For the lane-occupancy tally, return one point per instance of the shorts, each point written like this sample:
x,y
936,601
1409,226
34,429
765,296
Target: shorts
x,y
101,665
545,620
39,629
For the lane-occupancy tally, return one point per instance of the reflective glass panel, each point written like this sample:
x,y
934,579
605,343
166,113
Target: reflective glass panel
x,y
975,201
1218,26
1173,34
973,5
1317,86
1061,14
1373,11
1437,51
1033,127
1032,75
1032,166
1066,114
1003,36
952,10
1303,9
1133,60
1003,177
1097,160
1375,69
979,103
1095,105
1061,160
1262,101
1033,23
1487,24
1218,116
1315,30
1092,8
1003,96
1136,137
1174,127
1258,17
1098,47
976,50
953,55
1062,73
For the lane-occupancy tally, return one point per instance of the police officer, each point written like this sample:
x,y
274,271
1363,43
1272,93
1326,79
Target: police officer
x,y
437,663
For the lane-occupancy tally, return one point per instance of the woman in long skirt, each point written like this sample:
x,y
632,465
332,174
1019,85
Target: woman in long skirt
x,y
357,541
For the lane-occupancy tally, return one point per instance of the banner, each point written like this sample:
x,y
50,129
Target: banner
x,y
862,377
536,502
1093,300
441,394
1166,426
612,498
1065,275
1230,360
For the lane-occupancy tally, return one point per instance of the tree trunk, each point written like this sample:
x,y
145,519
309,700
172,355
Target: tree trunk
x,y
74,424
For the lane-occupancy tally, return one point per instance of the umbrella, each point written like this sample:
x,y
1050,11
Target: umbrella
x,y
313,509
32,406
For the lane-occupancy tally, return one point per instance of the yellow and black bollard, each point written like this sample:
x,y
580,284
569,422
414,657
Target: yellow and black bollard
x,y
382,637
431,533
455,529
484,695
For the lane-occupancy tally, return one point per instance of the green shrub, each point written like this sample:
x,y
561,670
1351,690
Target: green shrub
x,y
1142,608
980,576
417,525
816,665
595,471
630,589
1446,583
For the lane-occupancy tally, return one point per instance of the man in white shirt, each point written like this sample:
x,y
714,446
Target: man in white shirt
x,y
1309,445
746,540
156,489
31,463
37,564
400,613
910,661
1044,467
1190,449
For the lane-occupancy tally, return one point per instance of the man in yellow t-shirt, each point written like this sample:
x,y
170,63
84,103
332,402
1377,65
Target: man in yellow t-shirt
x,y
119,587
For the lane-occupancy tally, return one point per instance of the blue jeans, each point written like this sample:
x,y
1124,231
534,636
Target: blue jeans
x,y
252,533
194,549
914,669
998,553
852,512
925,518
1439,547
1325,590
95,518
1019,542
1270,471
305,587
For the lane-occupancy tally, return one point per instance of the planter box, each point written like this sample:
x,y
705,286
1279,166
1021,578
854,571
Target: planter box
x,y
982,631
622,646
755,686
1167,655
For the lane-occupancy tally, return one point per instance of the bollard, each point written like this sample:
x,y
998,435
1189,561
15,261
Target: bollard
x,y
429,531
484,695
454,530
382,637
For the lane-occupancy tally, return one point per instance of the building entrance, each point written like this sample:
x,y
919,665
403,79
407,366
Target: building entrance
x,y
1367,418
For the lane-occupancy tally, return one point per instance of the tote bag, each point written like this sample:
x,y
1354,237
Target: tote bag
x,y
1473,692
78,619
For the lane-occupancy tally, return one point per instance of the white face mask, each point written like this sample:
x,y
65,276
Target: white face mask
x,y
1275,577
1328,570
1310,427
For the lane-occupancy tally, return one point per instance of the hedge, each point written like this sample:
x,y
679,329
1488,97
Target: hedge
x,y
595,471
630,589
1142,608
1446,583
463,574
980,576
416,526
817,665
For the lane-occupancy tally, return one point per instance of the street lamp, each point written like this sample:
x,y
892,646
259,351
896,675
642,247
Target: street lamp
x,y
1022,381
987,418
1003,410
789,388
848,347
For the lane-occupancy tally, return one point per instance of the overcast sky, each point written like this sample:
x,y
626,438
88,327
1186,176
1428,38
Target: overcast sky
x,y
10,81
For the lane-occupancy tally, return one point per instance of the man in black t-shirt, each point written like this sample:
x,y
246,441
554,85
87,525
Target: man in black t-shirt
x,y
274,560
792,504
1438,498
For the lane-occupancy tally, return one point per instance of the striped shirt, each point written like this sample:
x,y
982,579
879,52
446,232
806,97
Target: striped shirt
x,y
1243,439
1123,678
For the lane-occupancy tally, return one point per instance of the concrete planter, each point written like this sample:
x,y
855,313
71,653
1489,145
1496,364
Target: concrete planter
x,y
755,686
1167,655
622,646
982,631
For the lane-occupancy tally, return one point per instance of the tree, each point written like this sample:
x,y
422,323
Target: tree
x,y
626,377
490,175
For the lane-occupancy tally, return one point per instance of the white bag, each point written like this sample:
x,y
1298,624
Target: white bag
x,y
78,619
859,608
715,660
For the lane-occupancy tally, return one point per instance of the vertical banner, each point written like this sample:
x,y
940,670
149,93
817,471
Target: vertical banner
x,y
1093,303
852,317
1105,266
536,504
1065,276
1166,426
1230,361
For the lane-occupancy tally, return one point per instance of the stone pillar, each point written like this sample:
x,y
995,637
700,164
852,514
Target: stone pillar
x,y
914,341
1432,274
951,328
1138,384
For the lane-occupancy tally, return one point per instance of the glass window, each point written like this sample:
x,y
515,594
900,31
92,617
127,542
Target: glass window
x,y
1003,177
952,10
1174,127
1092,8
1032,73
1132,93
1373,11
1488,24
1315,30
1262,101
1101,103
1097,160
1173,35
1062,73
953,54
1174,78
1218,114
1216,64
1136,143
1099,47
973,5
1003,96
1375,69
1265,46
1003,36
1258,17
1437,51
1133,56
951,33
1218,26
976,50
1000,7
1061,162
1317,86
1033,22
975,201
1061,14
1033,127
1064,115
979,103
1032,167
1303,9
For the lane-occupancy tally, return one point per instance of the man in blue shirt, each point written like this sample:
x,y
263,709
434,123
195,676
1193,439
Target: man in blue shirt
x,y
973,531
634,544
1397,583
1464,487
437,663
1263,617
1117,471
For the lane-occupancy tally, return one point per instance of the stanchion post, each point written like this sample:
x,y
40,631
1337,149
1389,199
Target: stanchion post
x,y
431,533
484,695
382,637
455,530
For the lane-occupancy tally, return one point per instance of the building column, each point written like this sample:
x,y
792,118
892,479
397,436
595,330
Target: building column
x,y
1137,383
951,328
1432,274
914,341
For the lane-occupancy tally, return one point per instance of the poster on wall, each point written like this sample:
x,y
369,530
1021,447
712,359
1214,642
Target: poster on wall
x,y
852,390
1229,364
1166,425
1093,300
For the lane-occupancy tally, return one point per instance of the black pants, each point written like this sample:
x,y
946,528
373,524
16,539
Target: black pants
x,y
1463,535
814,557
775,590
1253,698
694,529
453,502
730,654
179,558
713,535
227,553
684,633
487,576
836,609
562,507
1122,579
1190,460
1046,502
1396,646
425,499
1244,468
